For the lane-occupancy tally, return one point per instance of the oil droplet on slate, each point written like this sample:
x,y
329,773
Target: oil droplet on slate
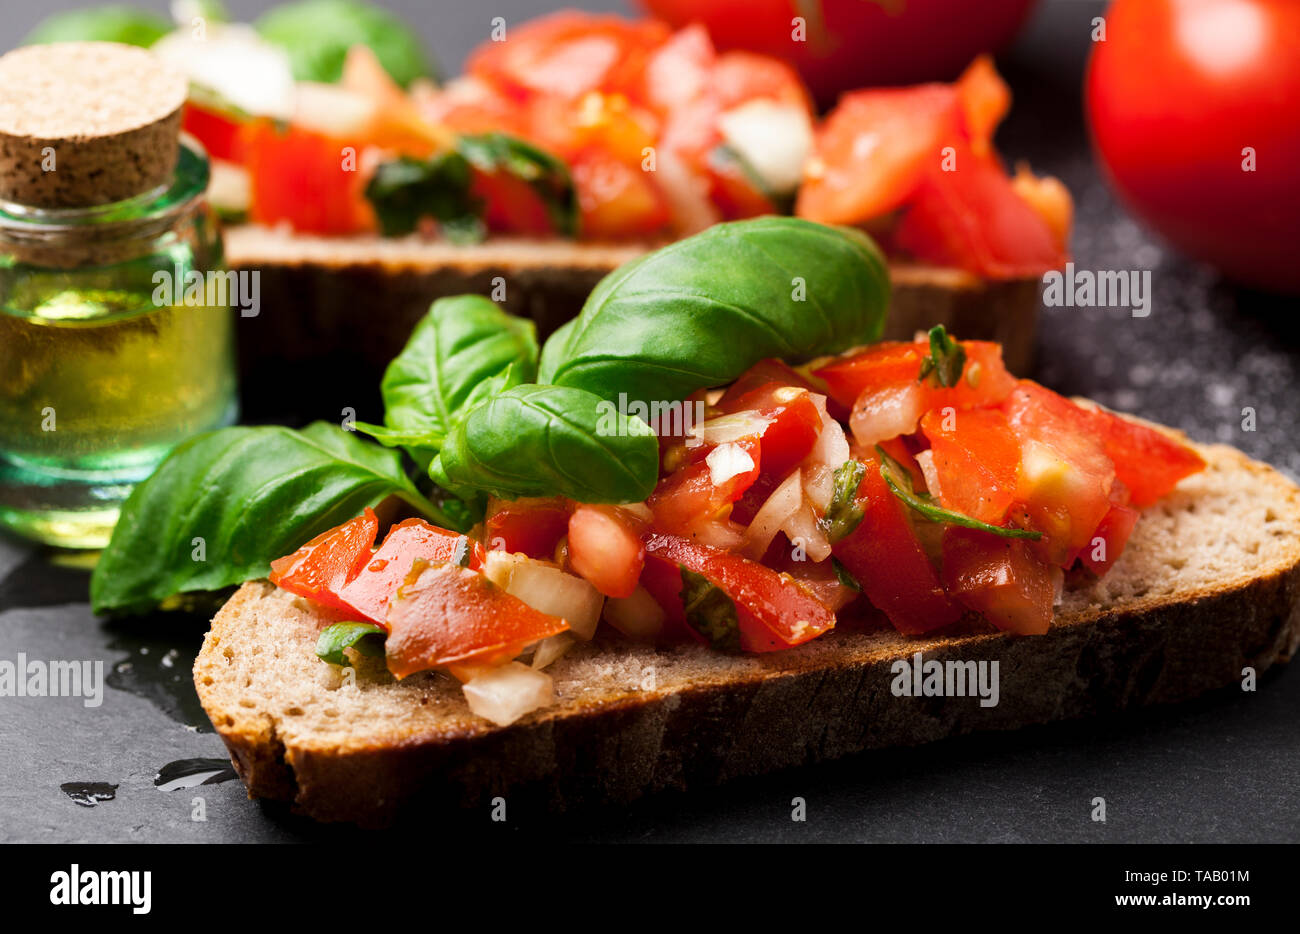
x,y
88,794
190,773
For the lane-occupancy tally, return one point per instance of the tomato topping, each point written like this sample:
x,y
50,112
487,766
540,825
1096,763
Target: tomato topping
x,y
772,611
1109,539
300,177
219,132
766,371
976,461
370,591
616,200
530,526
874,149
885,557
688,496
1147,461
999,578
448,615
511,204
794,423
320,568
985,100
605,548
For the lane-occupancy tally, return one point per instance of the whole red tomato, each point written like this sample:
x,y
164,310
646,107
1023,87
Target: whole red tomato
x,y
1195,113
857,43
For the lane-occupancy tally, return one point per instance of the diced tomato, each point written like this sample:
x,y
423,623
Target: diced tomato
x,y
874,149
739,76
1050,200
773,612
369,591
817,577
451,615
972,218
605,548
766,371
734,191
793,427
976,460
884,555
680,70
305,179
219,132
531,526
616,200
999,578
1149,462
319,569
985,100
688,496
511,205
1113,532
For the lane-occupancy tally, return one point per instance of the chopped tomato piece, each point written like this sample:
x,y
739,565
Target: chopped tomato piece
x,y
740,76
616,200
999,578
766,371
531,526
972,218
1147,461
689,496
885,557
985,100
219,132
511,205
370,591
874,149
1109,539
447,615
794,423
305,179
319,569
605,548
773,611
817,577
976,461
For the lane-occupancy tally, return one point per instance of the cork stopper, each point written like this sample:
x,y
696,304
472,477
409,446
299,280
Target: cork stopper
x,y
86,123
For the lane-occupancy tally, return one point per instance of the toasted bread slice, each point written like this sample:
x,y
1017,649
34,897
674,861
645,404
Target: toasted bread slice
x,y
362,295
1208,586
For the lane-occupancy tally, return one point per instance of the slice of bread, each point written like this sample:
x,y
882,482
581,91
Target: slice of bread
x,y
321,296
1208,586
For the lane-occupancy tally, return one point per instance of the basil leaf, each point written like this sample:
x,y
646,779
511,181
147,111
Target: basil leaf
x,y
900,484
844,577
318,33
405,191
710,612
701,311
844,512
463,350
224,504
366,638
113,23
946,360
550,441
547,175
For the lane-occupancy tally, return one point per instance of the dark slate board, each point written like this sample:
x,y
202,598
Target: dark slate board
x,y
1219,769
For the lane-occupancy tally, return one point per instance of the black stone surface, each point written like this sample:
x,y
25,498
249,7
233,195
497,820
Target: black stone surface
x,y
1219,769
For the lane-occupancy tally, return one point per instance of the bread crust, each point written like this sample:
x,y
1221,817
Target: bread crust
x,y
321,295
713,717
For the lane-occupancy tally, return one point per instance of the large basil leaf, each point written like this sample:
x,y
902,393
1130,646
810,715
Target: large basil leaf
x,y
223,505
550,441
465,349
115,22
701,311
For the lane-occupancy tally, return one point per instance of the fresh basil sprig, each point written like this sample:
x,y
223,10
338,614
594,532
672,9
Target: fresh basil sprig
x,y
710,612
224,504
550,441
900,484
844,513
946,360
464,350
366,638
701,311
547,175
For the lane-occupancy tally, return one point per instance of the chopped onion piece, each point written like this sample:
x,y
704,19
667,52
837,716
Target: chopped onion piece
x,y
640,510
727,461
718,533
827,454
638,617
505,694
888,413
726,428
925,460
774,139
548,589
551,648
803,530
785,499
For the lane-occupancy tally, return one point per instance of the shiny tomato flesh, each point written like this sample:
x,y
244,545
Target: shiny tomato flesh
x,y
451,615
530,526
320,569
370,591
773,611
1109,539
689,496
977,462
1149,462
605,548
793,427
221,134
511,205
985,100
885,557
999,578
298,176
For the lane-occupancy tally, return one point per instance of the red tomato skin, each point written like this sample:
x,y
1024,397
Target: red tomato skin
x,y
999,578
886,559
605,549
511,205
370,591
892,364
770,370
298,177
220,134
977,460
1147,461
1174,96
458,616
689,496
320,568
527,526
1115,528
773,611
794,427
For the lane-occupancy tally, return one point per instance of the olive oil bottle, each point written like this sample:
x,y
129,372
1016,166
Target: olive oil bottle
x,y
102,372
